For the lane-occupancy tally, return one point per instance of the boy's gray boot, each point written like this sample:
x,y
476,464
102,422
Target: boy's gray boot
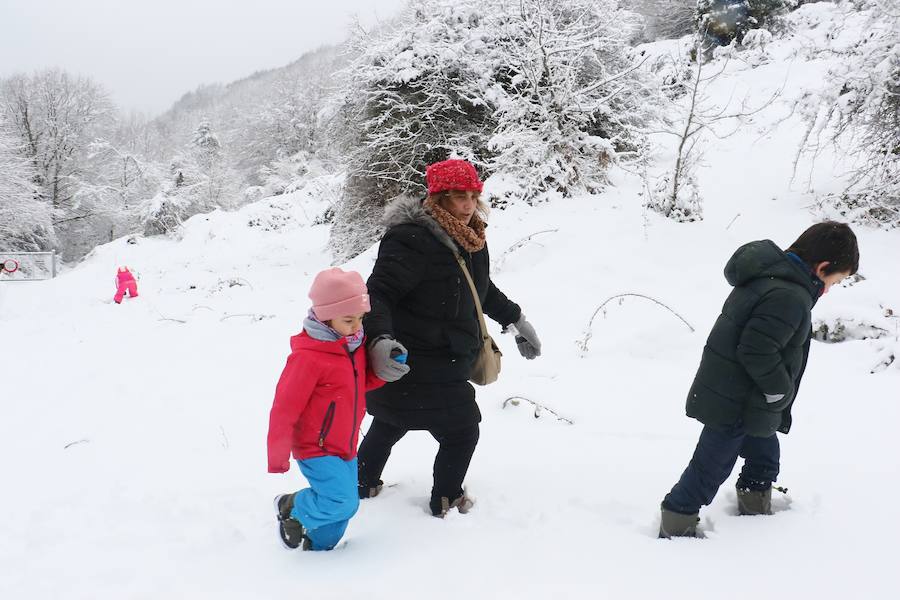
x,y
673,524
754,502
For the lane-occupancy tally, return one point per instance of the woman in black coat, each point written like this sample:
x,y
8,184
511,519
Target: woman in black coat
x,y
422,307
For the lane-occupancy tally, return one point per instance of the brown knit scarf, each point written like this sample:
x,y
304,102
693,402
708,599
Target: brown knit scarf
x,y
470,237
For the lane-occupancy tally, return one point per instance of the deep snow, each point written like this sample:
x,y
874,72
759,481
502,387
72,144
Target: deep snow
x,y
133,437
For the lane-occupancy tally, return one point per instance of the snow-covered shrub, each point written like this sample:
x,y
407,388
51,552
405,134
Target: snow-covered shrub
x,y
755,44
272,217
875,206
282,174
163,213
885,343
674,73
843,329
756,39
859,110
254,193
880,329
678,199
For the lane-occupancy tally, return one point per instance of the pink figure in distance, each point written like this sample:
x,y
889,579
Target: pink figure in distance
x,y
126,282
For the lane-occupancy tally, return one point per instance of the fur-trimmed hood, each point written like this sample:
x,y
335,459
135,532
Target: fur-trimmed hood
x,y
408,210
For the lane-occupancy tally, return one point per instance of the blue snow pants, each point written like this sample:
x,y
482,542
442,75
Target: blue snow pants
x,y
326,506
714,458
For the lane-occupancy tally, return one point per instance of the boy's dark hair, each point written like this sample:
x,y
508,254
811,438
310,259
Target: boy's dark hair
x,y
828,241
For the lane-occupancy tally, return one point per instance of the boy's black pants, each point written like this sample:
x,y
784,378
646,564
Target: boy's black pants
x,y
450,464
714,458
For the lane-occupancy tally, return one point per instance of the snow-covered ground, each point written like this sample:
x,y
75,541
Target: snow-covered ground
x,y
132,437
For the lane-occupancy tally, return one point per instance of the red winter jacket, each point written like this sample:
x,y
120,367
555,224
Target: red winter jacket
x,y
319,402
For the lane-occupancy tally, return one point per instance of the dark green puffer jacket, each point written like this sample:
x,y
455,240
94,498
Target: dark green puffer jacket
x,y
756,353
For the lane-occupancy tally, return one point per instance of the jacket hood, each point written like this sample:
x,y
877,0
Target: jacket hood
x,y
408,210
302,341
763,259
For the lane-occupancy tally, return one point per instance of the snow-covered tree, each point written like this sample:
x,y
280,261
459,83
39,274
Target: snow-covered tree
x,y
116,181
416,87
288,122
25,220
413,95
55,115
569,97
544,93
216,186
675,194
666,19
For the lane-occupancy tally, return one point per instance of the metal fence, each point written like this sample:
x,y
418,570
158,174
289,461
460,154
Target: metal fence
x,y
27,266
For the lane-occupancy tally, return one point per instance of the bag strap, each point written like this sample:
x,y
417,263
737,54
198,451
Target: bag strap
x,y
465,270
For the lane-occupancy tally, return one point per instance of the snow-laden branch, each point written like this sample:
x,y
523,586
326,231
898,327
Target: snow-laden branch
x,y
583,343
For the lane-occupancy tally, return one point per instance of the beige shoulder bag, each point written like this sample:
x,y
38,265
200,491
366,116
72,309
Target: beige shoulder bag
x,y
487,366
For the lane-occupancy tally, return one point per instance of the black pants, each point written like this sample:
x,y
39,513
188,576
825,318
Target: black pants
x,y
450,464
714,458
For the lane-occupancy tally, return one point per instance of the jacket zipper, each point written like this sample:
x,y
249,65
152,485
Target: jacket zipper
x,y
326,425
355,396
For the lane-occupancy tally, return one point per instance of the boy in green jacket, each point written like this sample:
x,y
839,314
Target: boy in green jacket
x,y
751,368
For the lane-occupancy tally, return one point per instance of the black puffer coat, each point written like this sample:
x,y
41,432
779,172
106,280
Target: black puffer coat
x,y
756,353
420,296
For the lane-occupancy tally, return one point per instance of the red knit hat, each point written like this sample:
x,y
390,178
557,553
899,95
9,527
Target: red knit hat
x,y
452,175
336,293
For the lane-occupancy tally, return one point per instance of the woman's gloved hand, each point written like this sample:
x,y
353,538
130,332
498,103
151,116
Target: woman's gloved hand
x,y
527,339
381,356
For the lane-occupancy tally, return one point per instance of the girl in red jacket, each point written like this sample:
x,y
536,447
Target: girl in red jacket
x,y
319,405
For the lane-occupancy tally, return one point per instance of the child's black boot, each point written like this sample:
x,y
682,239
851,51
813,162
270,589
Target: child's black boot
x,y
441,506
370,492
754,502
292,532
673,524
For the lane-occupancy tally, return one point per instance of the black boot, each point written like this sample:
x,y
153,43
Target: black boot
x,y
370,492
292,532
441,506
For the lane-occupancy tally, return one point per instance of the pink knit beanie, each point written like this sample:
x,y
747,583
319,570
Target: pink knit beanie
x,y
336,293
452,174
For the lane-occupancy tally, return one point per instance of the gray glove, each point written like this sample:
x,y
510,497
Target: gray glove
x,y
527,339
381,354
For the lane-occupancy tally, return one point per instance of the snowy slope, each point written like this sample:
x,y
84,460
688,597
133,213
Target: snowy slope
x,y
133,437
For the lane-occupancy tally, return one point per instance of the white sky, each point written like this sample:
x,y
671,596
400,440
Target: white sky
x,y
148,53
